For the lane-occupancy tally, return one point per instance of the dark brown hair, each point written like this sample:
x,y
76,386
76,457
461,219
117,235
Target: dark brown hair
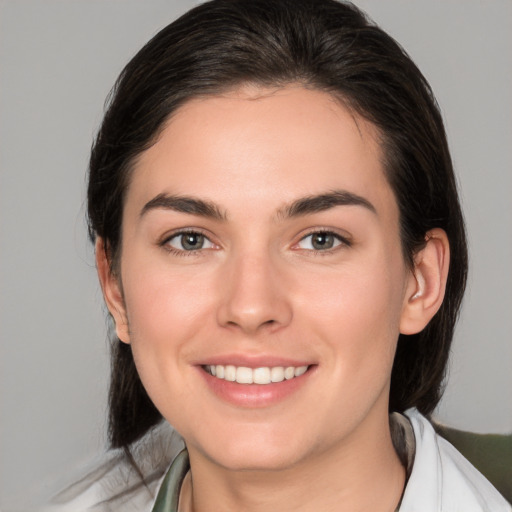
x,y
322,44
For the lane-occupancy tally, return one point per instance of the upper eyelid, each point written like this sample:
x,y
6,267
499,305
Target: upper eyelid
x,y
165,243
184,231
343,243
345,238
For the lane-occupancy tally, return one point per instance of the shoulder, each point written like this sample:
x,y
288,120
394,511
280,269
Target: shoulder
x,y
113,483
442,479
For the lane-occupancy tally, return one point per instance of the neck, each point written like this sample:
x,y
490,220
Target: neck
x,y
363,474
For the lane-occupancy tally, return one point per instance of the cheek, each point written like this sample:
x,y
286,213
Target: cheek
x,y
359,310
363,293
161,301
166,312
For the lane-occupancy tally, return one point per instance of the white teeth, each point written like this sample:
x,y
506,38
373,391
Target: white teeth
x,y
301,370
230,373
263,375
277,374
289,372
244,375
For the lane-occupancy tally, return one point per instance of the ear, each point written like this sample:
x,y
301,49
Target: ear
x,y
112,291
427,283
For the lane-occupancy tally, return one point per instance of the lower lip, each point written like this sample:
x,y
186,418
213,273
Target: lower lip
x,y
255,395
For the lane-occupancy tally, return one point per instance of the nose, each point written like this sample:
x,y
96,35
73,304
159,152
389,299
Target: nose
x,y
253,295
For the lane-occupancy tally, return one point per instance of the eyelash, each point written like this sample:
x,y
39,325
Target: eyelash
x,y
339,242
342,241
165,243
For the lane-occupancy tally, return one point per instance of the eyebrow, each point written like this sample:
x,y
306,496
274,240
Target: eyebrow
x,y
302,206
184,204
322,202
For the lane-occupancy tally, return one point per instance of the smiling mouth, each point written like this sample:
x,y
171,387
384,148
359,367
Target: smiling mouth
x,y
263,375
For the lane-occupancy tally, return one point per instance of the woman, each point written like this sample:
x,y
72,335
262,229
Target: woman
x,y
281,247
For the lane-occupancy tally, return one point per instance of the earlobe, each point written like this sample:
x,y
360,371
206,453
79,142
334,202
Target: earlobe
x,y
427,284
112,291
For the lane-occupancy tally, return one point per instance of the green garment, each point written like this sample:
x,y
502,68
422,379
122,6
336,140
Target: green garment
x,y
491,454
169,494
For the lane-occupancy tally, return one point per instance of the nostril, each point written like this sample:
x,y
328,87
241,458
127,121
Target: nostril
x,y
251,306
252,324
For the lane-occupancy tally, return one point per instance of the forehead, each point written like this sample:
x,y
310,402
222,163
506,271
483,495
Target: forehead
x,y
266,145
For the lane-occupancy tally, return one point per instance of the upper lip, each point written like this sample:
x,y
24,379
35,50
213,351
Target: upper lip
x,y
253,361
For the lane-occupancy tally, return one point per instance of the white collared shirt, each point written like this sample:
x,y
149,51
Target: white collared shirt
x,y
440,480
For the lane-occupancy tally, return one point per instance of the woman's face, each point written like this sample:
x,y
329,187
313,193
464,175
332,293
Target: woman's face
x,y
261,238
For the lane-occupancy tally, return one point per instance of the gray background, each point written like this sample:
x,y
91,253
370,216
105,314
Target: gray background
x,y
58,60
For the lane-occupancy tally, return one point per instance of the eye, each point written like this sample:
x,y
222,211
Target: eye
x,y
189,241
321,241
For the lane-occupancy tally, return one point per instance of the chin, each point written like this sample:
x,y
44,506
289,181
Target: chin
x,y
254,451
257,459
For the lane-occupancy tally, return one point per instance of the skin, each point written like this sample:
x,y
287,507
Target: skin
x,y
259,288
